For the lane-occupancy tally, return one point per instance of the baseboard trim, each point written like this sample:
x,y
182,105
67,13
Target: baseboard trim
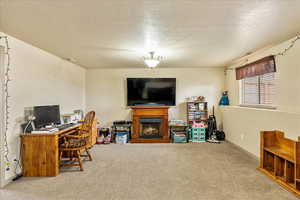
x,y
150,141
6,182
244,150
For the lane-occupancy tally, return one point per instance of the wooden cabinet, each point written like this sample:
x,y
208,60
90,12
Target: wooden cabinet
x,y
280,159
40,154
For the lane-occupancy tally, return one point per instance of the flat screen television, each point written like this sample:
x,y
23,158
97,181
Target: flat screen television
x,y
46,115
151,91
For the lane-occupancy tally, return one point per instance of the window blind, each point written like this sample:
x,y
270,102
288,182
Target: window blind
x,y
267,88
250,90
259,89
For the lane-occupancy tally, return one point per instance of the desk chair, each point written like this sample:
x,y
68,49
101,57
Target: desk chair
x,y
76,143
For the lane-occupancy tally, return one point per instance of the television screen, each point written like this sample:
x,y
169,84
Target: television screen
x,y
151,91
46,115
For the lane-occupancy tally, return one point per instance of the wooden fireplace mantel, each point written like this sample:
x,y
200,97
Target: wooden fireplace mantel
x,y
149,107
139,112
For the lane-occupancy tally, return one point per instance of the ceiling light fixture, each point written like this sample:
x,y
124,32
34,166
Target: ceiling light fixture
x,y
152,61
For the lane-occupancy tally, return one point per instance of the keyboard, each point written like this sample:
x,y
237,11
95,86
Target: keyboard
x,y
64,126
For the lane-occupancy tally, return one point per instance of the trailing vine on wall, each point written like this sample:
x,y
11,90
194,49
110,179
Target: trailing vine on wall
x,y
282,53
7,80
292,44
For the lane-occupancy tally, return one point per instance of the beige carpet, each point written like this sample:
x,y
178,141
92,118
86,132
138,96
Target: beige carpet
x,y
156,171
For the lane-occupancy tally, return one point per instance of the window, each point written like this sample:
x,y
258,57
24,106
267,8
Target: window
x,y
258,82
258,90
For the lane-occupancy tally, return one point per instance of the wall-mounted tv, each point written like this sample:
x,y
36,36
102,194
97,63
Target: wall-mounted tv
x,y
151,91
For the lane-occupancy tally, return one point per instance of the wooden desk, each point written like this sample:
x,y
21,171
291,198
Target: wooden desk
x,y
40,151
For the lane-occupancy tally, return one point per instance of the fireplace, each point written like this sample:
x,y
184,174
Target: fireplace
x,y
150,124
150,128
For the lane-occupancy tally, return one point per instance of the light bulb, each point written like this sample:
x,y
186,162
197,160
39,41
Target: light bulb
x,y
151,62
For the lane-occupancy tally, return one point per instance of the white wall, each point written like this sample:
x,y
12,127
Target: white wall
x,y
106,89
40,78
242,125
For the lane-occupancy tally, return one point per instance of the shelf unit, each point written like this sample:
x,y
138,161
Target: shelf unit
x,y
121,128
196,111
280,159
179,133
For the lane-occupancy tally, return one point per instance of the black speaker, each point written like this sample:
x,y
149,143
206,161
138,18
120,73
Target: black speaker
x,y
220,135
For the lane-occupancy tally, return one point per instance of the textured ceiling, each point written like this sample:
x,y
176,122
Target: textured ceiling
x,y
117,33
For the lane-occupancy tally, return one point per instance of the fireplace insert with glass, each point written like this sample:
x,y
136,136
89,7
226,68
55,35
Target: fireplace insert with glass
x,y
150,128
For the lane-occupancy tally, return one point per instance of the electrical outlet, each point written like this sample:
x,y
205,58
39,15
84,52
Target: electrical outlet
x,y
7,166
242,136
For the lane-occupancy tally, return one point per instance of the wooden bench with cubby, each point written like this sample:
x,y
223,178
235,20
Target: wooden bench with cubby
x,y
280,159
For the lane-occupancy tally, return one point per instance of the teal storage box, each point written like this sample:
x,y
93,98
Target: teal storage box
x,y
197,135
179,138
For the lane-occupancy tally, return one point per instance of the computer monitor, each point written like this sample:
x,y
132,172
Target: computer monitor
x,y
46,115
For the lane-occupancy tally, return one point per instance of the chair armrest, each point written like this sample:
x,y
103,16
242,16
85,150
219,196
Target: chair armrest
x,y
72,136
76,136
71,132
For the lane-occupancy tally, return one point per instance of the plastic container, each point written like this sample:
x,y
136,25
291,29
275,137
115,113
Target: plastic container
x,y
197,135
179,138
121,138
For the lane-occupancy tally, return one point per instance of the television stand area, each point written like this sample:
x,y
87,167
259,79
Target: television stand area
x,y
150,124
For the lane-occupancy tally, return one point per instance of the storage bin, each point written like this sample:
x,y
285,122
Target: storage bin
x,y
121,138
197,135
179,138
